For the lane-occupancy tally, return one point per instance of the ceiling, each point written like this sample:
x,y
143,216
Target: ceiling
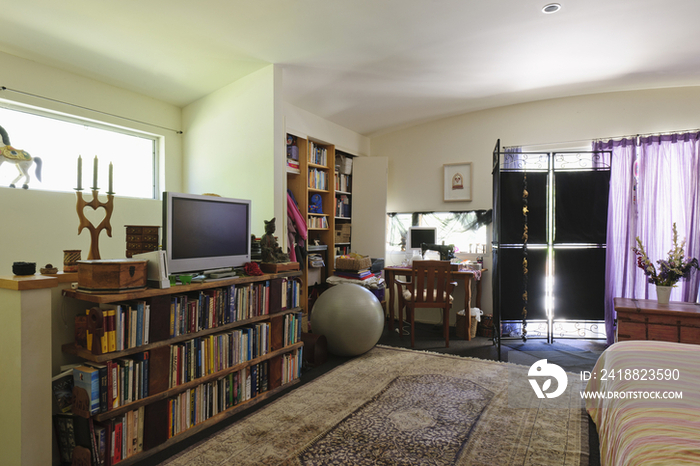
x,y
368,65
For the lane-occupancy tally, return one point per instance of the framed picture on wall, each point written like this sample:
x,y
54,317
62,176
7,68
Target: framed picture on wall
x,y
457,181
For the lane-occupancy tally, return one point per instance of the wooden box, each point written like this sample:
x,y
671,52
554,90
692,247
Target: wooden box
x,y
342,232
352,264
112,276
277,267
141,238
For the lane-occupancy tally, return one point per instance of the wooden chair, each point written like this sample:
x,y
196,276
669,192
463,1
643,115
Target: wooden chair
x,y
430,286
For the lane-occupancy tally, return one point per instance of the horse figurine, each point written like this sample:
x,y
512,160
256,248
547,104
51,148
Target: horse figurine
x,y
20,158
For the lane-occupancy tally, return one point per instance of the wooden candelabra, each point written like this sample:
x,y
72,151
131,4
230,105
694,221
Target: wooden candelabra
x,y
85,223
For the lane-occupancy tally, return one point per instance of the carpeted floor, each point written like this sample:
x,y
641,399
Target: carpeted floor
x,y
397,406
572,355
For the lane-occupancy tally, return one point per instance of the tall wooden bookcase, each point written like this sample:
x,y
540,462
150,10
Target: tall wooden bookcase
x,y
276,362
317,179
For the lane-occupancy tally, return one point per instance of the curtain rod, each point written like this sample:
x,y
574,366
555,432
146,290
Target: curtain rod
x,y
659,133
3,88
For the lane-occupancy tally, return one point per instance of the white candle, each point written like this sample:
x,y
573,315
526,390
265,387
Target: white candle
x,y
110,177
94,174
80,174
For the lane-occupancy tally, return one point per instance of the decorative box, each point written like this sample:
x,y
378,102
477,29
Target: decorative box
x,y
112,276
342,232
354,264
141,239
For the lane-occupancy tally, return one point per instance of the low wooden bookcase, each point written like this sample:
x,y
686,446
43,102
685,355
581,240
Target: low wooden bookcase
x,y
175,407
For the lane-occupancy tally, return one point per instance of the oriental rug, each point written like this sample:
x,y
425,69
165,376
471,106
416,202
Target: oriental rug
x,y
393,406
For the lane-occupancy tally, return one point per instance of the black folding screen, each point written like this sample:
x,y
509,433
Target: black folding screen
x,y
512,208
581,206
553,214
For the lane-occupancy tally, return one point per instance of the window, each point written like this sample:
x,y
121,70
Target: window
x,y
466,230
59,140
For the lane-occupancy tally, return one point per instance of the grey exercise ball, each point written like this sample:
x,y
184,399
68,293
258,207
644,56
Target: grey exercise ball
x,y
351,318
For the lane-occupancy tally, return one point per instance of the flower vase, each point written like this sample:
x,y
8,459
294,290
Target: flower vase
x,y
663,293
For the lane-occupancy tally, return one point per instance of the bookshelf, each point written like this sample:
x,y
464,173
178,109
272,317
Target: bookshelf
x,y
343,203
316,180
213,349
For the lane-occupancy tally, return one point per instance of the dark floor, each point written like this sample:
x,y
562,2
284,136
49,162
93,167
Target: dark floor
x,y
572,355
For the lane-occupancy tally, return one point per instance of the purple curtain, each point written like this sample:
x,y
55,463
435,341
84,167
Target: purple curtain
x,y
653,184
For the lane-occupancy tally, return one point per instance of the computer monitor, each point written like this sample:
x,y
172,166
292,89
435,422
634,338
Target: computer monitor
x,y
419,235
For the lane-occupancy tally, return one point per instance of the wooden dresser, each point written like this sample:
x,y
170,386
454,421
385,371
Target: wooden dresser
x,y
645,319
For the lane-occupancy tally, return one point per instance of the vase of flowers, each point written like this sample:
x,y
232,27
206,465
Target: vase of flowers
x,y
670,271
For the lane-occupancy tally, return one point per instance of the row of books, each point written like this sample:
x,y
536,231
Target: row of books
x,y
292,328
317,222
343,182
207,355
318,154
114,383
342,206
291,366
192,312
200,403
126,325
318,179
342,250
291,293
108,442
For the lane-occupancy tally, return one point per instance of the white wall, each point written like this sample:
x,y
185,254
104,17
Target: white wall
x,y
417,154
229,144
304,124
38,225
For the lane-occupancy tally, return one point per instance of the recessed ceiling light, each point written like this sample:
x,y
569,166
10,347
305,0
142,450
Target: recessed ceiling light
x,y
551,8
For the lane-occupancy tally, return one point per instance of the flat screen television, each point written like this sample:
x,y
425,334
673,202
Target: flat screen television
x,y
419,235
203,233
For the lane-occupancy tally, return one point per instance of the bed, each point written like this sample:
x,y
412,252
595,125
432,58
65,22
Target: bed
x,y
634,428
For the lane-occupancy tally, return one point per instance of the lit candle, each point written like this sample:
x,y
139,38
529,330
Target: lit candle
x,y
80,174
110,177
94,174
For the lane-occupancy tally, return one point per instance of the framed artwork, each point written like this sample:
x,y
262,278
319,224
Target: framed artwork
x,y
457,181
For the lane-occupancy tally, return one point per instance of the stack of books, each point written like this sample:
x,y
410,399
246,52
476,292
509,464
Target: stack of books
x,y
292,154
355,275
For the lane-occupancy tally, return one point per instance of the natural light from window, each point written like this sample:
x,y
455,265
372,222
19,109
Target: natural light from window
x,y
58,142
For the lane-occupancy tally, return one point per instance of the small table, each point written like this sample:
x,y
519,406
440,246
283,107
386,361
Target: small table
x,y
463,275
646,319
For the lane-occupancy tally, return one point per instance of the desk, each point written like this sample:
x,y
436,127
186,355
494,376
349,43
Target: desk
x,y
465,276
646,319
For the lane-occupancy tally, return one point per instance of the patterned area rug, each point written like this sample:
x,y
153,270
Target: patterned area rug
x,y
394,406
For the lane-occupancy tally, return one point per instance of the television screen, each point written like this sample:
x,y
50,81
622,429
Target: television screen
x,y
420,235
205,232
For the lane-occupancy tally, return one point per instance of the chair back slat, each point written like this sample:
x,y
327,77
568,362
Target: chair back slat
x,y
431,279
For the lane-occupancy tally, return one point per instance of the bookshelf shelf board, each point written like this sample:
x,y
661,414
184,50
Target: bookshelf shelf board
x,y
151,292
318,215
70,348
343,218
318,229
342,244
315,165
205,424
316,190
343,192
192,384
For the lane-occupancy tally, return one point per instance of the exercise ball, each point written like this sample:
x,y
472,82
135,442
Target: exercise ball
x,y
351,318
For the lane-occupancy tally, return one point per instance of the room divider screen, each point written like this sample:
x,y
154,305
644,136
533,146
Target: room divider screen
x,y
550,221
